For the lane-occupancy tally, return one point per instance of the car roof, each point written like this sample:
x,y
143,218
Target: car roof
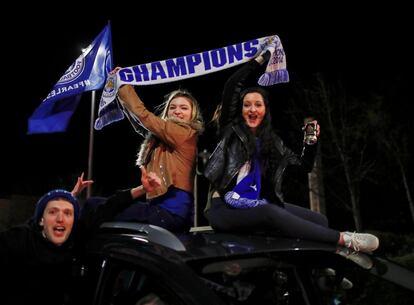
x,y
209,248
208,245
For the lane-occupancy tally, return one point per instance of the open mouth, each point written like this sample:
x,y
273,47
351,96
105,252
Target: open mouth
x,y
252,118
59,230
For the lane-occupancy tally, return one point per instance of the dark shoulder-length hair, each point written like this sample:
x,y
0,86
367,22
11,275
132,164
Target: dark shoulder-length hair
x,y
269,154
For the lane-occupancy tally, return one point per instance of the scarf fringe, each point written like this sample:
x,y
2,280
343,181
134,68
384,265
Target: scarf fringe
x,y
110,114
274,77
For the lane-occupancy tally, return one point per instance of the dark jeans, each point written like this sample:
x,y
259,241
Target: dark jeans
x,y
142,212
153,214
290,220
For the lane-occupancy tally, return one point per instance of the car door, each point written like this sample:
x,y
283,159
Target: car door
x,y
133,277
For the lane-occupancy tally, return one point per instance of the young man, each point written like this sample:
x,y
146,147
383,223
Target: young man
x,y
38,260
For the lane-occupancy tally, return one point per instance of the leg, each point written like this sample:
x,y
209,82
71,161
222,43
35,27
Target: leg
x,y
224,218
307,214
268,217
152,214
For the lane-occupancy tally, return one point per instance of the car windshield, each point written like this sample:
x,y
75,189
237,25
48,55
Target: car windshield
x,y
127,268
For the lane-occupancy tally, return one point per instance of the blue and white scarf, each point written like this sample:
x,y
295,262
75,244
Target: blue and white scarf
x,y
189,66
246,193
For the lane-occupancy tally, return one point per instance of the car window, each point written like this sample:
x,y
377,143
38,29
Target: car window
x,y
86,278
287,280
122,283
257,281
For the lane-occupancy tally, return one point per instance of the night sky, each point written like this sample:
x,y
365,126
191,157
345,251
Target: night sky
x,y
366,49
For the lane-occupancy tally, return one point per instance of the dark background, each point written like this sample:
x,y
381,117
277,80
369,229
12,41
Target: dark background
x,y
364,48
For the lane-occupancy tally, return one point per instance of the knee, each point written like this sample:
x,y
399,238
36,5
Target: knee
x,y
324,220
217,222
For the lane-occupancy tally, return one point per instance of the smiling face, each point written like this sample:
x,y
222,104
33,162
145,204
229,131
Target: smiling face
x,y
57,220
180,108
253,110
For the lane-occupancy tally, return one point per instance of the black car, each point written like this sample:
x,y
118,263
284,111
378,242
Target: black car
x,y
132,264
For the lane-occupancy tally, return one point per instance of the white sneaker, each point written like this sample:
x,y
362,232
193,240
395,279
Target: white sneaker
x,y
363,242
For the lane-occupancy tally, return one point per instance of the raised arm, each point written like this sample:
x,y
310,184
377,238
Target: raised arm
x,y
80,185
234,86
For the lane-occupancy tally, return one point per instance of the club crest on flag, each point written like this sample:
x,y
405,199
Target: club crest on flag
x,y
74,71
88,72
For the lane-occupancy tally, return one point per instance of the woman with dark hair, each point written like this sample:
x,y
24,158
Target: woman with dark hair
x,y
246,171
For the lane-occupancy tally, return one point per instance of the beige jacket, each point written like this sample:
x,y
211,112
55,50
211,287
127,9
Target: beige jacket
x,y
173,157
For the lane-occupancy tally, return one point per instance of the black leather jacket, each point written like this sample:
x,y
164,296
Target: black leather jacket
x,y
232,152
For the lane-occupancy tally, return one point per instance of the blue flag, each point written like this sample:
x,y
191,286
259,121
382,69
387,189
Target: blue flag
x,y
87,73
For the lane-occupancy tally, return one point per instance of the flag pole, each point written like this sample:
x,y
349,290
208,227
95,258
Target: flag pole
x,y
92,122
97,62
91,136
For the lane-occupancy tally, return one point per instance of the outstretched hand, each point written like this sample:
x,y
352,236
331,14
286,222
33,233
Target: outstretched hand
x,y
116,69
150,181
80,185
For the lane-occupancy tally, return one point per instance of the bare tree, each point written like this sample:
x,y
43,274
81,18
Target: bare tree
x,y
396,139
346,133
397,147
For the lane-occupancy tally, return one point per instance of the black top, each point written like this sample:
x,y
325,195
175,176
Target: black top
x,y
35,271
